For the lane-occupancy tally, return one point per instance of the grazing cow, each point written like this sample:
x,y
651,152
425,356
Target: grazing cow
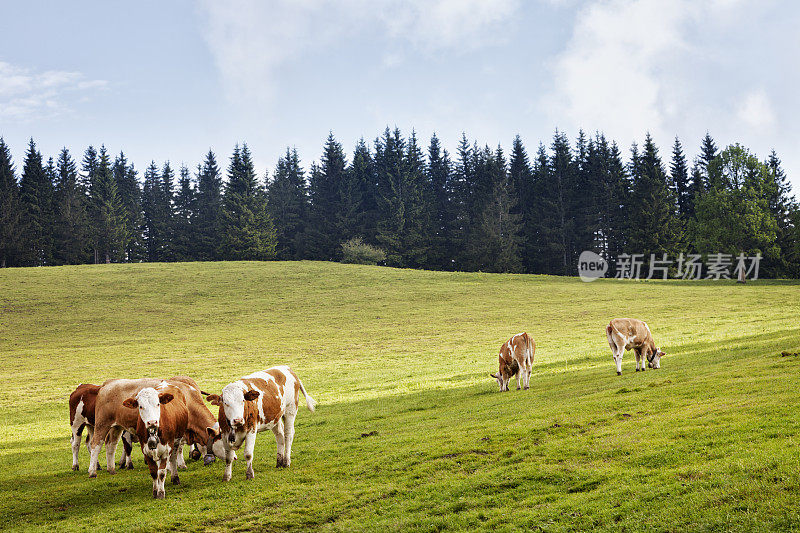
x,y
160,426
200,418
112,418
262,400
631,333
81,415
515,358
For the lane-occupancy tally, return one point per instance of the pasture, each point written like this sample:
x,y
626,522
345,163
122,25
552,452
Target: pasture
x,y
410,431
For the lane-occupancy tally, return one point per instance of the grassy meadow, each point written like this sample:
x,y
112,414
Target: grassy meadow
x,y
411,432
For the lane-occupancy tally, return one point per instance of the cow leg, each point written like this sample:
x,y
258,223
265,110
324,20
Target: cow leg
x,y
288,430
249,447
111,448
75,441
229,456
618,358
153,467
174,453
519,374
181,464
160,478
280,442
97,439
127,449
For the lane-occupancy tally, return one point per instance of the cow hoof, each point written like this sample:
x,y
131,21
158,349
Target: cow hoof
x,y
526,388
226,477
176,480
160,495
155,493
92,474
75,468
250,475
195,455
183,467
637,369
619,373
129,466
112,471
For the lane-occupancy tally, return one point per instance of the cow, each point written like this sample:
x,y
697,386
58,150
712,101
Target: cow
x,y
112,418
81,415
631,333
161,426
515,358
263,400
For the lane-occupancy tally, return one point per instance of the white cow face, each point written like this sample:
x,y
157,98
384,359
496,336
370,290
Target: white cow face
x,y
149,402
232,401
502,383
656,362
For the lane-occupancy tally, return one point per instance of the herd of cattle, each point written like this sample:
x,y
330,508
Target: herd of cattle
x,y
165,415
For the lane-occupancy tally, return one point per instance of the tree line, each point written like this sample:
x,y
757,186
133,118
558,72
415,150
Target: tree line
x,y
477,209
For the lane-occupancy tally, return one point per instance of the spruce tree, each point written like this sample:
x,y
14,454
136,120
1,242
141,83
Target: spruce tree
x,y
107,214
655,227
184,217
362,174
287,205
247,229
71,230
36,198
561,169
391,188
130,196
708,152
209,205
782,205
152,220
521,176
679,174
322,239
10,209
438,182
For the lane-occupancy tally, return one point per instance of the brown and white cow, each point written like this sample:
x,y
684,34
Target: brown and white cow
x,y
81,415
515,358
631,333
162,418
112,418
263,400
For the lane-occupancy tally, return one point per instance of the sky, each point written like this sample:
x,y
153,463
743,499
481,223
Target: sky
x,y
171,80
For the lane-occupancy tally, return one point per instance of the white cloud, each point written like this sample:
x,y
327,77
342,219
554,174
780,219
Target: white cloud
x,y
252,40
677,67
27,95
756,112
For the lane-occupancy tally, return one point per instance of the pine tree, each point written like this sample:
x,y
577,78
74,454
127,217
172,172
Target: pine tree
x,y
322,239
167,211
11,224
152,221
496,237
362,174
247,229
184,217
560,177
209,206
679,174
708,152
287,205
782,205
130,196
391,190
36,198
107,214
71,230
438,181
654,227
415,234
521,177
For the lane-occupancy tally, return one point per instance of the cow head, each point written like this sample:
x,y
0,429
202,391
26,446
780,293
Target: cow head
x,y
149,402
215,446
654,358
503,375
232,412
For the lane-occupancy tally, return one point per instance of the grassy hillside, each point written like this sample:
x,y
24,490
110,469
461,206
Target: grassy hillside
x,y
410,432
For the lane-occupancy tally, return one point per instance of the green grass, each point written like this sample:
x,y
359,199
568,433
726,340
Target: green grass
x,y
709,442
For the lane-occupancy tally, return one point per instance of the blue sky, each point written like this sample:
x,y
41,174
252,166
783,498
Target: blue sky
x,y
169,80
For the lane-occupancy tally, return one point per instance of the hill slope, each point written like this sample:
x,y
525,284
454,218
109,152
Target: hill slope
x,y
411,431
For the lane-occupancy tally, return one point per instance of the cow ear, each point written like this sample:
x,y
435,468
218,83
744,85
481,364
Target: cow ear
x,y
131,403
211,432
165,397
251,395
214,399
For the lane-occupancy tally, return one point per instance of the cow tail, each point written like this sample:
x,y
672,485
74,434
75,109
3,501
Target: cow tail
x,y
310,402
